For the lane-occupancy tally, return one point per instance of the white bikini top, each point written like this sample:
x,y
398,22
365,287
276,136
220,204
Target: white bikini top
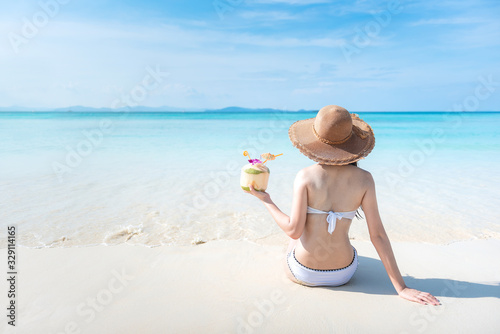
x,y
332,217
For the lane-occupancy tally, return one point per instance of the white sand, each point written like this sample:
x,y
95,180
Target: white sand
x,y
240,287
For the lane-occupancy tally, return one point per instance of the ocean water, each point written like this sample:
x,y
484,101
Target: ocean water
x,y
80,179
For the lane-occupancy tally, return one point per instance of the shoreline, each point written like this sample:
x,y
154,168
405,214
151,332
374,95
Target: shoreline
x,y
271,239
240,286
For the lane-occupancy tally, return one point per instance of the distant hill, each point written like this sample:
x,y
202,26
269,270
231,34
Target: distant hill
x,y
129,109
146,109
240,109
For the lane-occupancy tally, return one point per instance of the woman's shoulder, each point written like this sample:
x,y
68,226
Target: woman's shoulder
x,y
306,175
365,177
362,171
308,171
362,174
318,171
321,171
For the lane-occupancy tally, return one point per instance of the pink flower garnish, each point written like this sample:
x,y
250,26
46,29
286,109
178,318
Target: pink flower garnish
x,y
254,161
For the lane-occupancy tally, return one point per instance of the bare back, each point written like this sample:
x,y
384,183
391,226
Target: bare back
x,y
330,188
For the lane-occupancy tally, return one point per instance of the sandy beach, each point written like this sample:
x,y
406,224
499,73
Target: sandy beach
x,y
126,127
240,287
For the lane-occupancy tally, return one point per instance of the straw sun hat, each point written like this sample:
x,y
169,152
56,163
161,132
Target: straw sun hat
x,y
333,137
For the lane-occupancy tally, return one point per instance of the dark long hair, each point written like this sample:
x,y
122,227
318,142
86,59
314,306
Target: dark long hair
x,y
358,215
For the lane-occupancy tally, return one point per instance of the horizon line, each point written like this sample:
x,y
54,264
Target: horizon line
x,y
248,111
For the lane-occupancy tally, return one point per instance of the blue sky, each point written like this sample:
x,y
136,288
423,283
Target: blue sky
x,y
286,54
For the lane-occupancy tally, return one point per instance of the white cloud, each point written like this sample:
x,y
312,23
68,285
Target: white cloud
x,y
268,15
452,20
216,64
309,91
481,36
292,2
78,63
324,42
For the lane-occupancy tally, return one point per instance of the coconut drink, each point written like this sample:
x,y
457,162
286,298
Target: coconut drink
x,y
256,173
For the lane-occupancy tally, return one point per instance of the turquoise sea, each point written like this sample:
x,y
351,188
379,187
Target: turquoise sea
x,y
78,179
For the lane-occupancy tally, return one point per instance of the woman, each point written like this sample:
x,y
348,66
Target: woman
x,y
325,199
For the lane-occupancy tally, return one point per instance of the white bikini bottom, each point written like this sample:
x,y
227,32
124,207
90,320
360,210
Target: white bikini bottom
x,y
319,277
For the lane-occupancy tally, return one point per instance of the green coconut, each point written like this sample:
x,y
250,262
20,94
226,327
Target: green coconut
x,y
248,188
254,171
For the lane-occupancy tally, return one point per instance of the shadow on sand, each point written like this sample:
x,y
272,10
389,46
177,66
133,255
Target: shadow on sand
x,y
372,278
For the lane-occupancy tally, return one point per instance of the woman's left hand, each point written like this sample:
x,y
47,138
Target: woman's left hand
x,y
418,296
262,195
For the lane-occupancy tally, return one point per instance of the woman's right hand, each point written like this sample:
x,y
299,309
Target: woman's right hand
x,y
418,296
262,195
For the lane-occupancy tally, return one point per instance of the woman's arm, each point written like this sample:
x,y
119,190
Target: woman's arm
x,y
293,226
380,240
